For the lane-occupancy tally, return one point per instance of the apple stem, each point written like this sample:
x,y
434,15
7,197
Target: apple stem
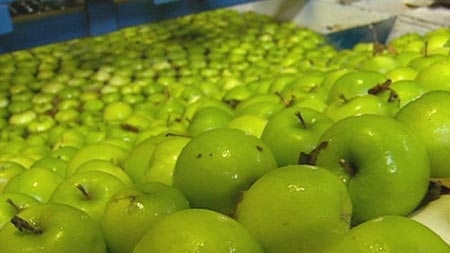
x,y
16,207
346,166
300,117
425,48
23,225
311,158
83,190
287,103
177,134
377,89
342,96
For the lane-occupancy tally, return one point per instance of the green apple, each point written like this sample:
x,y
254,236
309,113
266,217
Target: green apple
x,y
163,158
296,208
102,151
208,118
354,84
51,228
292,131
385,167
105,166
379,63
55,164
402,73
37,182
390,234
436,76
358,105
137,159
135,209
13,203
249,123
217,165
88,191
197,230
428,118
117,111
8,170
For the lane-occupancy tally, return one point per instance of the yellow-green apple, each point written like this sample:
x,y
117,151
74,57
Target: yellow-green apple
x,y
292,131
105,166
88,191
296,208
390,234
197,230
217,165
37,182
51,228
384,165
163,158
436,76
8,170
135,209
428,118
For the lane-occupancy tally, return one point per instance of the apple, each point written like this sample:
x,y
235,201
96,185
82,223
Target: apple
x,y
428,118
197,230
292,131
37,182
385,167
8,170
55,164
133,210
217,165
88,191
102,151
436,76
13,203
354,84
296,208
162,161
390,234
208,118
358,105
249,123
105,166
51,228
402,73
379,63
139,156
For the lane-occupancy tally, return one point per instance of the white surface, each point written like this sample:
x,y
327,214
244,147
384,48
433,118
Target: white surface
x,y
327,16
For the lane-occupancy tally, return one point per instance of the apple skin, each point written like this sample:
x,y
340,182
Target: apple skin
x,y
59,228
287,136
197,230
429,119
390,234
99,187
162,162
105,166
358,105
307,206
135,209
217,165
102,151
385,167
37,182
353,84
8,170
436,76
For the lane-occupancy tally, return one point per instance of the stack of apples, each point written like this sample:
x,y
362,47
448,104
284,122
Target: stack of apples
x,y
225,132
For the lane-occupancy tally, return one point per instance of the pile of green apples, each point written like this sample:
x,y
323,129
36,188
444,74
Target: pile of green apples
x,y
225,132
